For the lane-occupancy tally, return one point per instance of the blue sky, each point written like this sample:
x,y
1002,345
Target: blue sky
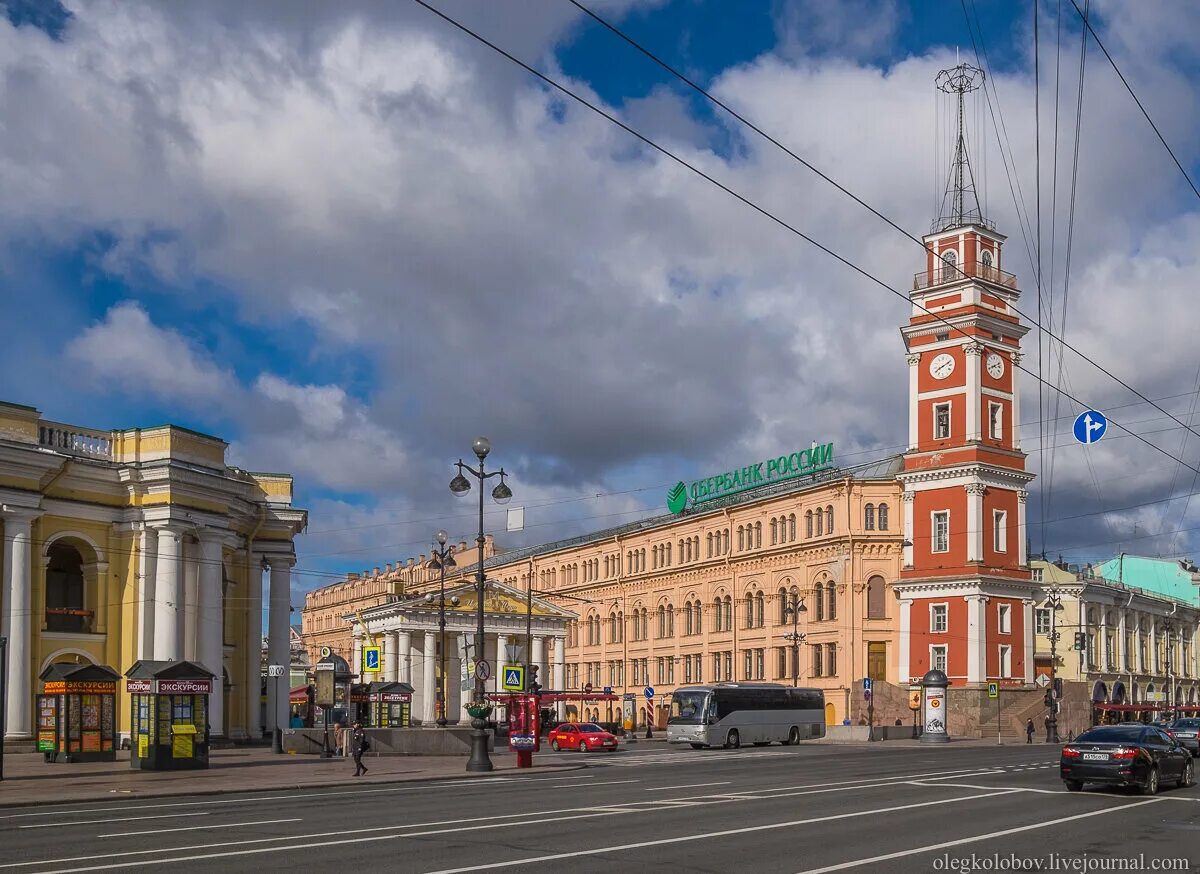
x,y
348,240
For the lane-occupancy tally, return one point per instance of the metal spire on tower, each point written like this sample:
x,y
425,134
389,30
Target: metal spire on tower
x,y
960,203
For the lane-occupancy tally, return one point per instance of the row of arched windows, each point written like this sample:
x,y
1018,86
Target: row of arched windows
x,y
717,543
875,518
818,523
783,529
821,603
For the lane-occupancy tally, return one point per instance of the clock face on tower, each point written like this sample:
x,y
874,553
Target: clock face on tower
x,y
995,366
941,366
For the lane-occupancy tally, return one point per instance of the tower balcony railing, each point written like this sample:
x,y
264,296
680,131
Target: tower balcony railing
x,y
74,440
947,274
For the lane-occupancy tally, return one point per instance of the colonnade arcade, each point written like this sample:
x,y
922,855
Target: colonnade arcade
x,y
408,633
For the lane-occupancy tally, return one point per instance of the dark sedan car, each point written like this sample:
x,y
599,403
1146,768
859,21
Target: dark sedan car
x,y
1136,755
1187,732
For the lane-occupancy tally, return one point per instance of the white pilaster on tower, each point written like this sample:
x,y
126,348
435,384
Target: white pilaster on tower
x,y
974,355
914,361
975,521
976,638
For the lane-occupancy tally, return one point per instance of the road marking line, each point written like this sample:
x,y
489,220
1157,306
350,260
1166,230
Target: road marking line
x,y
960,841
590,785
687,786
553,857
1019,789
98,821
404,830
192,828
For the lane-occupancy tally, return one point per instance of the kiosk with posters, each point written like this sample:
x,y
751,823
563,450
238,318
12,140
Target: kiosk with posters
x,y
168,715
76,713
388,705
331,680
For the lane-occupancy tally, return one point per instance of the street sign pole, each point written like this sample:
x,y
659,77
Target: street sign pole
x,y
997,717
275,672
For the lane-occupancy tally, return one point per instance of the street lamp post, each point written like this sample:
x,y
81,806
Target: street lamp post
x,y
501,494
1054,605
794,608
442,558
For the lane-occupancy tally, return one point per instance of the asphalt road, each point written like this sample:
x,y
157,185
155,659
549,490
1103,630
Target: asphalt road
x,y
779,809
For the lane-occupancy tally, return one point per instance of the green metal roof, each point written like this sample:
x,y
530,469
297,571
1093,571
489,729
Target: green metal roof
x,y
1161,576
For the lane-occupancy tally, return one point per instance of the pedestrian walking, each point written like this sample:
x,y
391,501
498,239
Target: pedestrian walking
x,y
359,744
1029,731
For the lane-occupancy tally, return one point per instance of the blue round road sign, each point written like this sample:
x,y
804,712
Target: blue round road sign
x,y
649,692
1090,427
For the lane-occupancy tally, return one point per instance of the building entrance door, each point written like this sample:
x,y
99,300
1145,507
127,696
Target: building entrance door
x,y
830,715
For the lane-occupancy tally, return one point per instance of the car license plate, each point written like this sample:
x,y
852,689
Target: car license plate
x,y
1095,757
1185,734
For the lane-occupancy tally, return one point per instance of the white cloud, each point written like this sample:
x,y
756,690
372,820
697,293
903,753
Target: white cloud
x,y
127,349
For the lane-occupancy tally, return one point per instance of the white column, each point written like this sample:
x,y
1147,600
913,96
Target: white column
x,y
976,639
428,679
975,524
539,658
404,645
356,653
211,624
498,670
1016,402
560,664
17,622
390,660
168,595
147,574
278,635
906,499
456,644
254,635
914,361
974,353
905,654
1022,538
1028,619
189,631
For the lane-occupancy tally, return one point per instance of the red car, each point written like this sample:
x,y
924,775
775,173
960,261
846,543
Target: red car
x,y
583,736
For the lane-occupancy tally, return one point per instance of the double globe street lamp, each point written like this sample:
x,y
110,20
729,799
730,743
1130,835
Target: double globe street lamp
x,y
1054,605
501,494
793,608
442,558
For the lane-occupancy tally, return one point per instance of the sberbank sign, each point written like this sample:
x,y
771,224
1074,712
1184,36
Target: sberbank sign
x,y
785,467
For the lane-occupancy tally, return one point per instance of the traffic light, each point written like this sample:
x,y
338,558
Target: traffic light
x,y
1080,641
531,671
1058,687
1048,699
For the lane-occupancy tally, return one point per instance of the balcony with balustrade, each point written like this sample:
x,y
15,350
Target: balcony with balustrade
x,y
944,274
73,440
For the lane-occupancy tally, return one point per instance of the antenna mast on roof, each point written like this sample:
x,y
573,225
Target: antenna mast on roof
x,y
960,203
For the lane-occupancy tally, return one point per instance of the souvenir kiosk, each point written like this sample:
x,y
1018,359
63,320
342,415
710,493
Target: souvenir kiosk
x,y
168,715
331,679
76,713
388,705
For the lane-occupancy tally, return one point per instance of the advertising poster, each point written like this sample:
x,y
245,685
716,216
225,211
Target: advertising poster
x,y
935,710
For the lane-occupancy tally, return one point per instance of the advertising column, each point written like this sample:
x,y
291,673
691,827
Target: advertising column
x,y
934,685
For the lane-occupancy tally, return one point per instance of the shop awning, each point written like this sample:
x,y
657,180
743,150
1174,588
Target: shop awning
x,y
298,695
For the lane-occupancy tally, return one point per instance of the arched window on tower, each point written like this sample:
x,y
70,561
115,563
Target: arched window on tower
x,y
950,270
774,531
876,605
758,534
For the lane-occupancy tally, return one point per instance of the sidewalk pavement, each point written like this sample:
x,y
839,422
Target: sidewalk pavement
x,y
29,780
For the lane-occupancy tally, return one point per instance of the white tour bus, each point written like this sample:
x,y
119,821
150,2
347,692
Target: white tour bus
x,y
731,714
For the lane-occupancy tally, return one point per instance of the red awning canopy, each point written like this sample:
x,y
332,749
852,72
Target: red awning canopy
x,y
299,695
555,697
1147,708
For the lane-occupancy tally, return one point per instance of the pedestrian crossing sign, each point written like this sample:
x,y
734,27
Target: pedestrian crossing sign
x,y
993,690
514,678
370,656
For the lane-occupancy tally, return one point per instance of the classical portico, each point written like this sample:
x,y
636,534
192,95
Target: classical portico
x,y
408,633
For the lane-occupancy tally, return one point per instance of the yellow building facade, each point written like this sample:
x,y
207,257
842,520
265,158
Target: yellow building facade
x,y
139,544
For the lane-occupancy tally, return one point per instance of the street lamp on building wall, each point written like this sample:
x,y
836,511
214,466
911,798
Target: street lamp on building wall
x,y
794,607
1054,605
442,558
501,494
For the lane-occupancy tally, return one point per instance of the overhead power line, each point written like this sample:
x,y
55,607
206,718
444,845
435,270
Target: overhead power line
x,y
1035,322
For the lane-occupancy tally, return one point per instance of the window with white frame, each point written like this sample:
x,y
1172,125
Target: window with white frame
x,y
1005,662
995,421
1041,618
941,421
1004,618
1038,574
938,618
1000,529
937,658
941,531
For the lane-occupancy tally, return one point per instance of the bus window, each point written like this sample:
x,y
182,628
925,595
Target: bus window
x,y
687,707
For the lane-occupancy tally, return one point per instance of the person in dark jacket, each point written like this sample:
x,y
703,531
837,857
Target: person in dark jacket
x,y
1029,732
359,745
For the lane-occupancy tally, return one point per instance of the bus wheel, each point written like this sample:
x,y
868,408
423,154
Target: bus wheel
x,y
734,740
794,737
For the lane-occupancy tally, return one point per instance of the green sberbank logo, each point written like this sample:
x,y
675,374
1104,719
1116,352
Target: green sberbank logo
x,y
785,467
677,498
